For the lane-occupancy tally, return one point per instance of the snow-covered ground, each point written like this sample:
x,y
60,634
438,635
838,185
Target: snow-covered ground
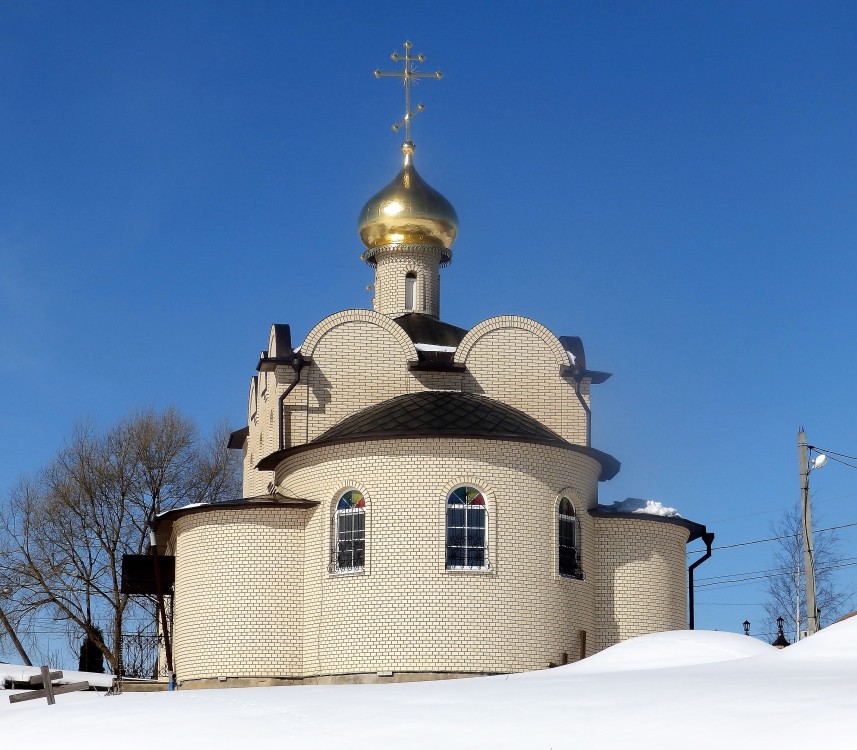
x,y
669,690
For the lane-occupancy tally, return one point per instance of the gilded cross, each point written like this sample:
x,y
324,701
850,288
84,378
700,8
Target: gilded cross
x,y
408,76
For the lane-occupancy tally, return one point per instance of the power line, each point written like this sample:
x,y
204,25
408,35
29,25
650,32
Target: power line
x,y
778,571
840,461
769,575
829,453
772,538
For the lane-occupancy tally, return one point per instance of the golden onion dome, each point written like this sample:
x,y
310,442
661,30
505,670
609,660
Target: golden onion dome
x,y
407,212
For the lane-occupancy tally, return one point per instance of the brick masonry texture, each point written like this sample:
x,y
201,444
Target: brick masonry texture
x,y
238,593
640,578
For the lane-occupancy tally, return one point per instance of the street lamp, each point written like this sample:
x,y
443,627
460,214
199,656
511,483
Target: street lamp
x,y
746,627
781,641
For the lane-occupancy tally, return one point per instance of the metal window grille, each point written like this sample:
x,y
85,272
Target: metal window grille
x,y
350,550
466,537
569,553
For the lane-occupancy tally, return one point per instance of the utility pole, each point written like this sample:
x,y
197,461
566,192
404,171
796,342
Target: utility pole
x,y
806,526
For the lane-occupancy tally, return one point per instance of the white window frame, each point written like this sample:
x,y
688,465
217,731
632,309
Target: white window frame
x,y
338,515
485,529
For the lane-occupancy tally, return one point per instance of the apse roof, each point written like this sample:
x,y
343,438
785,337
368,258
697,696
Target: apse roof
x,y
442,414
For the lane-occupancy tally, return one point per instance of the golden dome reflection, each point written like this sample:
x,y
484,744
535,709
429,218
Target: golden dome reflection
x,y
408,211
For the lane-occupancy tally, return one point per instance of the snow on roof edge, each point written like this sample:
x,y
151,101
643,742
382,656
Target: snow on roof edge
x,y
637,505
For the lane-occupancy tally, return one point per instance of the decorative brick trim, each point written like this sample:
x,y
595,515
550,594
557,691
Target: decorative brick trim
x,y
367,316
511,321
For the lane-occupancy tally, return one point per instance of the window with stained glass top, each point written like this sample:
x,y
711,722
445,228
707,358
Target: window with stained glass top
x,y
569,544
466,537
350,532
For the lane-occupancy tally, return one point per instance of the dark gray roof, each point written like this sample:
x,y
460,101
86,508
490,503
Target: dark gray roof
x,y
237,438
440,413
257,501
443,414
424,329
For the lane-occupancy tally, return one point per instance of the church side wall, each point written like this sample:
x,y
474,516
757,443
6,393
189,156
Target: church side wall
x,y
641,578
405,612
238,593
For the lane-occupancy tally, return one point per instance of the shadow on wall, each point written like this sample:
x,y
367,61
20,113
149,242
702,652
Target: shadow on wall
x,y
640,580
296,416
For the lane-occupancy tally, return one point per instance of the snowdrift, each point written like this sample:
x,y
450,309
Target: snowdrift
x,y
669,690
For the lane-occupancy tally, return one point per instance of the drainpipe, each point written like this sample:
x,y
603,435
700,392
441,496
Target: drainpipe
x,y
576,378
708,538
297,364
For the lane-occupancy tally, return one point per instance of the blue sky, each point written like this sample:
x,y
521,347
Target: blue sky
x,y
674,182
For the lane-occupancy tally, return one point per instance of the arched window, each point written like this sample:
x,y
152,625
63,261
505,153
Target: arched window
x,y
350,532
410,290
466,525
569,541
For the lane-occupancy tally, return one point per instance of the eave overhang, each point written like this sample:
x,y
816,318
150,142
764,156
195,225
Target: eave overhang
x,y
609,465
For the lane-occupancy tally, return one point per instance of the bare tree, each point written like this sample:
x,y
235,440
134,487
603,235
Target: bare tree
x,y
785,586
64,530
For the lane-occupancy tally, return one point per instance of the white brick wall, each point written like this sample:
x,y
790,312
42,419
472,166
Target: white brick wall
x,y
256,597
640,578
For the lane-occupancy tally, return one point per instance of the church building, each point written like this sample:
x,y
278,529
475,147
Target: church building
x,y
421,500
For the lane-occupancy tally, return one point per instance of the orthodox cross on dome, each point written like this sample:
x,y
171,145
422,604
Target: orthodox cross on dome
x,y
408,76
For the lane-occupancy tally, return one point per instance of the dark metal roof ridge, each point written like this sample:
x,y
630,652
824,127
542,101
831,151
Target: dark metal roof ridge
x,y
609,465
422,328
259,501
595,376
435,367
696,529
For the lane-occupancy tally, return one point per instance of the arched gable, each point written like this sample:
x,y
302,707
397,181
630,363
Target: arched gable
x,y
501,322
366,316
358,358
519,362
